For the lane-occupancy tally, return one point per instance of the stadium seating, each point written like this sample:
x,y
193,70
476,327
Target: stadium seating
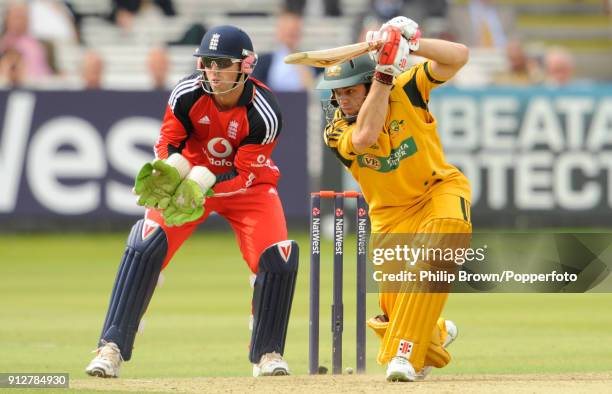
x,y
546,22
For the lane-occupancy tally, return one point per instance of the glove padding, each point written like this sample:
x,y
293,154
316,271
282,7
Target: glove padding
x,y
409,29
187,203
155,183
392,57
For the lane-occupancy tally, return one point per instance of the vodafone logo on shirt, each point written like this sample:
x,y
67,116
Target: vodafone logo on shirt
x,y
219,147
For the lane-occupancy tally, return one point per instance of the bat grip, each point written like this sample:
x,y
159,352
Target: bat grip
x,y
375,44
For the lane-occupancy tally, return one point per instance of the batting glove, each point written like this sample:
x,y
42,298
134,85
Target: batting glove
x,y
392,58
187,203
408,27
156,181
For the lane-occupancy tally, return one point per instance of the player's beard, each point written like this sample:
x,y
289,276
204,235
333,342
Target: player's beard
x,y
350,112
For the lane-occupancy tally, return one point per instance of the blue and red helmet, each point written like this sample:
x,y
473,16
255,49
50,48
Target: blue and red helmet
x,y
231,42
225,41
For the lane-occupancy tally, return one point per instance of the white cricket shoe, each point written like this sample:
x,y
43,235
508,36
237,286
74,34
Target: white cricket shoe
x,y
107,362
271,364
451,335
400,370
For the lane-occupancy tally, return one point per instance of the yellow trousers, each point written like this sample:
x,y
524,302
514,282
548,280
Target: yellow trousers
x,y
443,221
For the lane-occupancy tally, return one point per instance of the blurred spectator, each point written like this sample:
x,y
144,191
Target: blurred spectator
x,y
123,11
12,69
488,25
158,64
332,7
377,13
425,13
192,36
16,35
272,70
52,21
522,70
92,70
559,64
77,17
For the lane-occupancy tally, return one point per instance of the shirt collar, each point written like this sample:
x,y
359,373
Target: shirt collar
x,y
248,93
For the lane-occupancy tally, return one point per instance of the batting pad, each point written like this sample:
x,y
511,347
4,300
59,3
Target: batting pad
x,y
138,273
414,311
272,298
436,356
410,329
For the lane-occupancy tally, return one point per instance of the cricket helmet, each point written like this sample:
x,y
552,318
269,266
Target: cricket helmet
x,y
353,72
359,70
227,41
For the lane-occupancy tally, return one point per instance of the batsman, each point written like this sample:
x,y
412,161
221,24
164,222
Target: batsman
x,y
380,128
212,155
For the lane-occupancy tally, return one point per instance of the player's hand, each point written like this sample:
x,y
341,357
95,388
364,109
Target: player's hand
x,y
157,180
408,27
392,57
187,203
155,184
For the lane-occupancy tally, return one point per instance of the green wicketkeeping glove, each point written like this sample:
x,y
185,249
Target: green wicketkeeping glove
x,y
187,203
156,182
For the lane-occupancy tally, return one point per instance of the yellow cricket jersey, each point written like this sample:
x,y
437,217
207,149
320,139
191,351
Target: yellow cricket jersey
x,y
406,165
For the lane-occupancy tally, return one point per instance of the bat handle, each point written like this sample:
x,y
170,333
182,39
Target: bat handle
x,y
375,44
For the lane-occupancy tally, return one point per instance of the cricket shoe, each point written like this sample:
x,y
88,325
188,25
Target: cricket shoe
x,y
451,335
400,370
107,362
271,364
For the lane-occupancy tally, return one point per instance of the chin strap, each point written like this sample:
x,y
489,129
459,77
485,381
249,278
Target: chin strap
x,y
206,87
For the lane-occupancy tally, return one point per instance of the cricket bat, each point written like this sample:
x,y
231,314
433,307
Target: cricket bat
x,y
332,56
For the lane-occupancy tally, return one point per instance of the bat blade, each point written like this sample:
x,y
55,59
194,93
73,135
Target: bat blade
x,y
332,56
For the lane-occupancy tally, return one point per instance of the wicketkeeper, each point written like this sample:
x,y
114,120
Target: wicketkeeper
x,y
212,155
381,129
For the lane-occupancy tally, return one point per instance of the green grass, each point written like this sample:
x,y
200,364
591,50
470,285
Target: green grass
x,y
54,292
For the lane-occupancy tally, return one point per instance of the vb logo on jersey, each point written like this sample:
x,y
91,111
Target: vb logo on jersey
x,y
405,149
371,161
